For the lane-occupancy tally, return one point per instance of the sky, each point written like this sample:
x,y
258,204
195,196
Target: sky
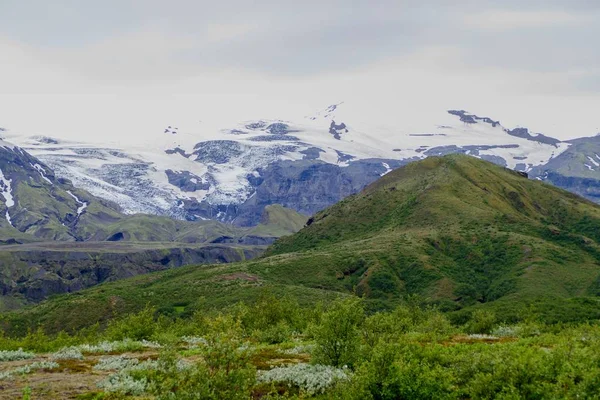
x,y
91,70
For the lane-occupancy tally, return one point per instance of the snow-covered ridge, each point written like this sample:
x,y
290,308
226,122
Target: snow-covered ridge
x,y
174,171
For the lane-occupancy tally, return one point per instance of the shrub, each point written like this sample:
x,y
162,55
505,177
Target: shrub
x,y
118,346
310,379
274,334
135,326
27,369
116,363
123,383
223,372
16,355
68,353
482,321
337,337
396,373
506,331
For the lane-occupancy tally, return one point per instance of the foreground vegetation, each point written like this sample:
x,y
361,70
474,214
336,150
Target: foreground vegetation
x,y
275,348
451,278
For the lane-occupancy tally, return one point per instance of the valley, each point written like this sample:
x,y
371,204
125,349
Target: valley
x,y
439,271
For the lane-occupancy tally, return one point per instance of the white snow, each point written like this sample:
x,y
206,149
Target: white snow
x,y
589,167
6,192
42,172
82,204
387,167
109,170
593,161
7,145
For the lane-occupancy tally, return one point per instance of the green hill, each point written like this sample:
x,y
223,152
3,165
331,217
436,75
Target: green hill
x,y
456,231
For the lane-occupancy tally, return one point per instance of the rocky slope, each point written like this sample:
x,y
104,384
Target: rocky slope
x,y
32,272
577,169
454,231
57,238
230,173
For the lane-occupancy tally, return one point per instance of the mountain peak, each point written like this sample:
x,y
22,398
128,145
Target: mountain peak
x,y
456,230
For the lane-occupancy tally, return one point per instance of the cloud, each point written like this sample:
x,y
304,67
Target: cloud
x,y
139,63
502,20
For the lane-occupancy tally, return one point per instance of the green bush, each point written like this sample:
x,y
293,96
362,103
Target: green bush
x,y
482,321
338,334
134,326
395,373
223,372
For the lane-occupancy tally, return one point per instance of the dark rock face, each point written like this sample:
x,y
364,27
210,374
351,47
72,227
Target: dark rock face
x,y
177,150
278,128
312,153
494,159
343,157
520,166
517,132
186,181
43,273
307,186
471,118
585,187
337,130
524,133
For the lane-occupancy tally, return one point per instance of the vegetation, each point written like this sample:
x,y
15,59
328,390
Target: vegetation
x,y
333,352
455,232
451,278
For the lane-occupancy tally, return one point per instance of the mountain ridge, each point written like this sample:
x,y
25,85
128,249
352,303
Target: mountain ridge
x,y
231,172
55,238
455,232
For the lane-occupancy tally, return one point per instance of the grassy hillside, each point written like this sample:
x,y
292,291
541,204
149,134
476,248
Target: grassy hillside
x,y
143,243
457,232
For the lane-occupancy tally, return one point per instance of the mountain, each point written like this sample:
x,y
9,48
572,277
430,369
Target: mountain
x,y
454,231
231,172
57,238
577,169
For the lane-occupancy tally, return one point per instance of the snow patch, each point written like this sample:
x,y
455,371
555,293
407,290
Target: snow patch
x,y
593,161
387,169
42,172
82,204
6,192
7,145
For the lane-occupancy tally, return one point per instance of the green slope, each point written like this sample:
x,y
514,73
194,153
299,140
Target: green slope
x,y
455,231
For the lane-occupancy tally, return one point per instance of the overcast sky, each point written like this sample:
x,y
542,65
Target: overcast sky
x,y
83,68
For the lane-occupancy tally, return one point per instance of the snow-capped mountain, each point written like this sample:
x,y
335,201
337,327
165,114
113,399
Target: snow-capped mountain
x,y
231,172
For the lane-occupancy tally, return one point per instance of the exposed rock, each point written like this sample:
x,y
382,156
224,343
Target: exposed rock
x,y
337,130
43,272
186,181
524,133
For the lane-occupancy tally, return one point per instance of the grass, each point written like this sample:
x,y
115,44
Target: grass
x,y
409,352
455,232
